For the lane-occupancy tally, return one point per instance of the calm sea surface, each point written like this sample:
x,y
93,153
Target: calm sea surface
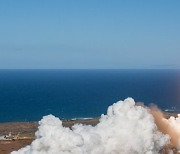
x,y
27,95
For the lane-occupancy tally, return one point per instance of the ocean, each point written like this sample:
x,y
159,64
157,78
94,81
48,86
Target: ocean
x,y
28,95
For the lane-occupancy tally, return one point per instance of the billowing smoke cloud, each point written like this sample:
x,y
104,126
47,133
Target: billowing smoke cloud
x,y
126,129
169,126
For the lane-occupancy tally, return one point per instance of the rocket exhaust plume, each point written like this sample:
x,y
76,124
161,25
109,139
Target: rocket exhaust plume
x,y
125,129
169,126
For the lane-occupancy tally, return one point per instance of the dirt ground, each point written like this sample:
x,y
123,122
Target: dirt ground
x,y
26,133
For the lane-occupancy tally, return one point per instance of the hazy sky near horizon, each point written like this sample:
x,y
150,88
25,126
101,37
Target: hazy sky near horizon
x,y
63,34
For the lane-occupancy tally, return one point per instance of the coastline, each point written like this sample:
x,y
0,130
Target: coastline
x,y
23,133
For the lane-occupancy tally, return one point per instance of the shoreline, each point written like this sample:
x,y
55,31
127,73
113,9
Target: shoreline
x,y
23,133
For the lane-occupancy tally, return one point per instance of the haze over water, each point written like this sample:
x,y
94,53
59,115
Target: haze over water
x,y
27,95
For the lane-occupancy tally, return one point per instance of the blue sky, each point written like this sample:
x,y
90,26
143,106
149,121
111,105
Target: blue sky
x,y
62,34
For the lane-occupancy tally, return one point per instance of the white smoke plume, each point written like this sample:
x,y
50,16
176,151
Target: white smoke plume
x,y
126,129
